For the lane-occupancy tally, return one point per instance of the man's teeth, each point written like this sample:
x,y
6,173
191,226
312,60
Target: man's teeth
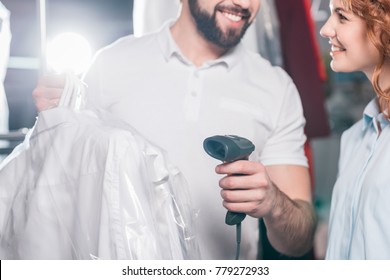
x,y
232,17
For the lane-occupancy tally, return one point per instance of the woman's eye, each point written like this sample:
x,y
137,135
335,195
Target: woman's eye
x,y
340,15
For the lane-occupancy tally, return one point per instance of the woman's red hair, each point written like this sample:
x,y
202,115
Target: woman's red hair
x,y
376,14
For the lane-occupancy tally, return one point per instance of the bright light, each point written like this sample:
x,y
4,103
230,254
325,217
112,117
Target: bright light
x,y
69,52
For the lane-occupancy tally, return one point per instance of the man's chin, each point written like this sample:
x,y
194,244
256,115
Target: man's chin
x,y
227,44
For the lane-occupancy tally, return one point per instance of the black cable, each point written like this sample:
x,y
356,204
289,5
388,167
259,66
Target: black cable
x,y
235,218
238,240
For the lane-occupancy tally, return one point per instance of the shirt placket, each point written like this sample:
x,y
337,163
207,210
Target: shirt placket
x,y
369,146
194,94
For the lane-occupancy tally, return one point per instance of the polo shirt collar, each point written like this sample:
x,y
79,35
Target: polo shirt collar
x,y
170,49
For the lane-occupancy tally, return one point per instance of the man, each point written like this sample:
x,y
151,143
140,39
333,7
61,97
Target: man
x,y
191,80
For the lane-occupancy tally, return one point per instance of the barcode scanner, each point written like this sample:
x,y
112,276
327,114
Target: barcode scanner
x,y
229,148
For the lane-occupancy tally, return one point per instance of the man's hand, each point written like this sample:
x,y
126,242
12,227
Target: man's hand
x,y
252,193
48,91
280,194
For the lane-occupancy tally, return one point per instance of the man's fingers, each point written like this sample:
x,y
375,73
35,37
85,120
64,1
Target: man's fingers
x,y
240,196
45,104
47,93
240,167
249,208
257,180
46,98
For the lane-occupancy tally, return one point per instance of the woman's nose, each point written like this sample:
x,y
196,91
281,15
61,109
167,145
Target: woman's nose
x,y
327,30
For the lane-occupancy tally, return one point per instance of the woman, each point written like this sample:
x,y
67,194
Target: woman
x,y
359,228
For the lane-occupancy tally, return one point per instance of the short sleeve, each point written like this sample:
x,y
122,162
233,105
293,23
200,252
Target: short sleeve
x,y
286,143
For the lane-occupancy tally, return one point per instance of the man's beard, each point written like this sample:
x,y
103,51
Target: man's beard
x,y
208,26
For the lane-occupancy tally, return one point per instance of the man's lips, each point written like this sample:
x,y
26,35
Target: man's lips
x,y
232,17
234,14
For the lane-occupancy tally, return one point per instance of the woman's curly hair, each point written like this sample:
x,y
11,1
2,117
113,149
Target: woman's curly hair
x,y
376,14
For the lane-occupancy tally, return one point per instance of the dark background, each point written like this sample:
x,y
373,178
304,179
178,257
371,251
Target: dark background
x,y
99,21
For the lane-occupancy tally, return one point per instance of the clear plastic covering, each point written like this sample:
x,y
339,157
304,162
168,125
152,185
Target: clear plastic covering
x,y
5,40
87,187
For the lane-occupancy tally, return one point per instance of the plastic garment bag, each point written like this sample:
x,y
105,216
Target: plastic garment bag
x,y
80,187
5,40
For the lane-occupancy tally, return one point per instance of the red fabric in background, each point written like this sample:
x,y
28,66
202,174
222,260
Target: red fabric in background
x,y
303,62
309,155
